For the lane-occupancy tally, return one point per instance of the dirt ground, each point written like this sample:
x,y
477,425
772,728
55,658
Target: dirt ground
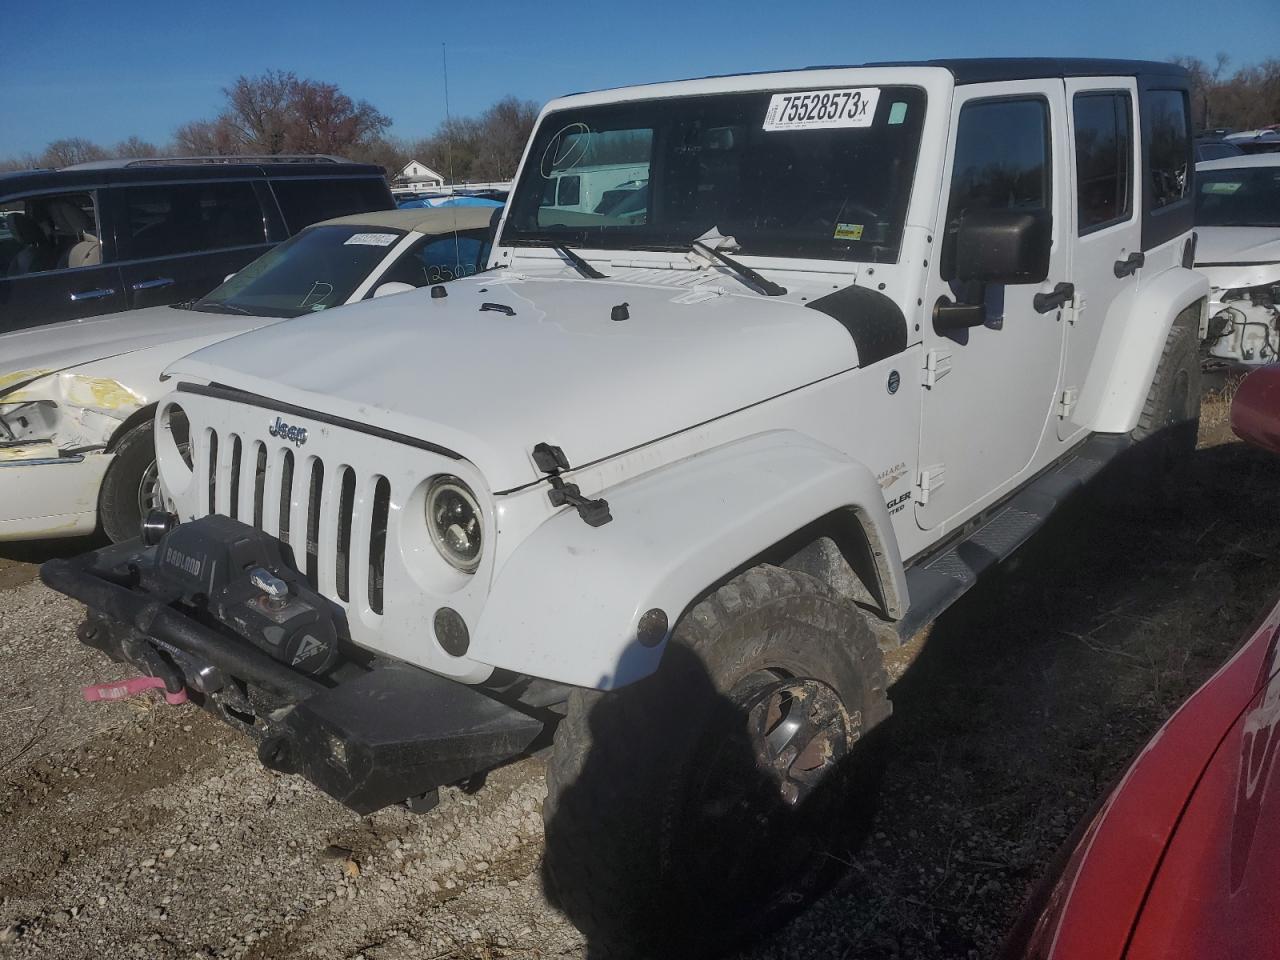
x,y
140,830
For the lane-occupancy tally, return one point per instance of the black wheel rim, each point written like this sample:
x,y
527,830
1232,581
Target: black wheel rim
x,y
748,790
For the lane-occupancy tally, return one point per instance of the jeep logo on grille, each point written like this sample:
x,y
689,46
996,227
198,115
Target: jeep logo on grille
x,y
297,435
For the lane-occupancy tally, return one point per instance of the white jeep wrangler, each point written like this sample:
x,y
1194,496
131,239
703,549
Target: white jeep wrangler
x,y
666,480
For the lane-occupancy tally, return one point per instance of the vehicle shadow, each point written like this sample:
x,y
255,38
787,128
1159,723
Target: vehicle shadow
x,y
1027,699
20,559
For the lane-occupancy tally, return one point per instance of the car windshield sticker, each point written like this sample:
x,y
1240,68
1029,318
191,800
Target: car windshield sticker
x,y
1221,186
848,231
822,109
897,113
370,240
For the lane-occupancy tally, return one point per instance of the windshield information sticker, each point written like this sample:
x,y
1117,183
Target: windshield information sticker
x,y
822,109
370,240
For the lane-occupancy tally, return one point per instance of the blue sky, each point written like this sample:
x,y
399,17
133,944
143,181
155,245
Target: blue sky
x,y
106,70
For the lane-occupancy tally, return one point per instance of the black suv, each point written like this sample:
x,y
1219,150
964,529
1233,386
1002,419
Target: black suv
x,y
122,234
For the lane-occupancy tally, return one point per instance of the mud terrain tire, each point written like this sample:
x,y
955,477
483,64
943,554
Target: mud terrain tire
x,y
678,815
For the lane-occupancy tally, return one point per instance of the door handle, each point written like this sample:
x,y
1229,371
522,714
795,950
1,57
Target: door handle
x,y
1130,264
1044,302
98,294
155,283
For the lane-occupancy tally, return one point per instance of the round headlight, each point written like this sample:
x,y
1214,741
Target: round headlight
x,y
453,517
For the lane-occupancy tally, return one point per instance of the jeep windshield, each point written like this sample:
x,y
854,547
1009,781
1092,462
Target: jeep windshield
x,y
1238,197
317,269
822,174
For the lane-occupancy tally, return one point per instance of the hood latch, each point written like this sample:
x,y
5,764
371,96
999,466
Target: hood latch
x,y
552,461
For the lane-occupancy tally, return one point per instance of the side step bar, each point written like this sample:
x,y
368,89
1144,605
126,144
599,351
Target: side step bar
x,y
935,583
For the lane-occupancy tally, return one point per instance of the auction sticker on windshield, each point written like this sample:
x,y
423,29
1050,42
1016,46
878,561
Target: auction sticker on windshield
x,y
822,109
370,240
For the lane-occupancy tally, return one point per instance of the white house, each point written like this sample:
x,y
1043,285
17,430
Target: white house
x,y
419,175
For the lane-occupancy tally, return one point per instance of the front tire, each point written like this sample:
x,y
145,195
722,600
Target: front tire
x,y
706,803
131,487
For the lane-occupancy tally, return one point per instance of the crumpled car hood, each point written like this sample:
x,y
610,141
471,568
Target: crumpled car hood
x,y
30,354
463,372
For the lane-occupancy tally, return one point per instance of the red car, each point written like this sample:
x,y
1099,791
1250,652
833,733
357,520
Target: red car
x,y
1182,860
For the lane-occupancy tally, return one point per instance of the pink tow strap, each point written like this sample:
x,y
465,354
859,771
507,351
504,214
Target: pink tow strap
x,y
131,688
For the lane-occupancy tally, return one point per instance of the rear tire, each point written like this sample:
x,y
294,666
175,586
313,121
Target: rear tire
x,y
1154,472
708,802
131,486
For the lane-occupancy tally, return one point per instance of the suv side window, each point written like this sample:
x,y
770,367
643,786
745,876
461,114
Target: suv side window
x,y
440,258
168,219
306,201
51,232
1104,158
1168,147
1002,162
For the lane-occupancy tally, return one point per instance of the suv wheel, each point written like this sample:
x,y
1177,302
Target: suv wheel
x,y
707,802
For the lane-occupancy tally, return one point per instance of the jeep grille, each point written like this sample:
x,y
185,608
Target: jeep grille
x,y
293,496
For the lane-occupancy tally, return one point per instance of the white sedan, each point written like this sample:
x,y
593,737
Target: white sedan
x,y
77,399
1238,249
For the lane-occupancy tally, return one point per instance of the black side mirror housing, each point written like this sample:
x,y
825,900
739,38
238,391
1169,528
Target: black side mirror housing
x,y
1002,246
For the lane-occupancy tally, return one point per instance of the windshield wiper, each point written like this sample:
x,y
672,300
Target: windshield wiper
x,y
579,264
219,306
764,285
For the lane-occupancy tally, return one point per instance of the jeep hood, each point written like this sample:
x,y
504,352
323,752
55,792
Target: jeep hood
x,y
462,372
1237,257
30,354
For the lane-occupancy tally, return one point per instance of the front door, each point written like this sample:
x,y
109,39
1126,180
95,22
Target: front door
x,y
1106,258
990,390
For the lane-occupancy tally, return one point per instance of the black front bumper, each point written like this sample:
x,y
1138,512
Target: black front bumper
x,y
368,734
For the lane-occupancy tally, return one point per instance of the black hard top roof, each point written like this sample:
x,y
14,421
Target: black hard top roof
x,y
27,181
994,69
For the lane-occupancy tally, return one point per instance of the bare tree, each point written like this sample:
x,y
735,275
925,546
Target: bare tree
x,y
63,153
135,147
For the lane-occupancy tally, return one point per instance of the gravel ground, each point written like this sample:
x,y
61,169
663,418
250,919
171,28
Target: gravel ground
x,y
140,830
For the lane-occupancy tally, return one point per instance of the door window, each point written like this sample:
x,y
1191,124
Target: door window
x,y
1169,147
440,259
1104,158
167,219
52,232
307,201
1002,162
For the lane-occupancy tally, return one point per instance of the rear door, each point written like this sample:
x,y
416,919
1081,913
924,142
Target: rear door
x,y
53,269
180,240
1106,235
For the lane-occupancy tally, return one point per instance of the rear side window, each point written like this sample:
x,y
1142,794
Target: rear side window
x,y
304,202
439,259
1104,158
166,219
1169,146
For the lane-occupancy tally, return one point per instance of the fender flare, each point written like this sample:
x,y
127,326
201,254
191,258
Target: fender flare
x,y
566,605
1129,352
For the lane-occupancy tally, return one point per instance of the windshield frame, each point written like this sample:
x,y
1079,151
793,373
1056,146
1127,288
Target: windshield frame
x,y
228,303
663,116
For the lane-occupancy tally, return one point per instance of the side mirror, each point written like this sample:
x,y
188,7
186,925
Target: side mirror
x,y
392,287
1002,246
992,246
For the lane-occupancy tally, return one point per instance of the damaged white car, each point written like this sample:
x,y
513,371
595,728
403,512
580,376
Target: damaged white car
x,y
78,399
1238,249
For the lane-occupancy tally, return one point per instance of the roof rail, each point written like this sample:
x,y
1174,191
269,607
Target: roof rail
x,y
186,161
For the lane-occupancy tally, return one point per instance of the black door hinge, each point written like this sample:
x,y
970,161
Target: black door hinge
x,y
551,461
